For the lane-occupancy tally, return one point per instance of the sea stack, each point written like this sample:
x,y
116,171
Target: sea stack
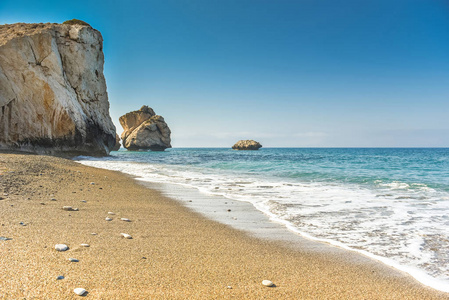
x,y
53,96
144,130
247,145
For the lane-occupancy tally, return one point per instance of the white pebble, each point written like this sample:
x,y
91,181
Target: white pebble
x,y
67,208
79,291
75,209
73,260
94,233
108,219
126,236
125,219
61,247
111,213
85,245
267,283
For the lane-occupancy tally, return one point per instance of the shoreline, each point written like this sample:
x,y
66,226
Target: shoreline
x,y
175,253
256,222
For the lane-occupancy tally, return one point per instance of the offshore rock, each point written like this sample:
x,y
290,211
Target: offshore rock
x,y
247,145
53,96
117,143
144,130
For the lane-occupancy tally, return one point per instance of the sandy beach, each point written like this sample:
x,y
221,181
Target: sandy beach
x,y
174,253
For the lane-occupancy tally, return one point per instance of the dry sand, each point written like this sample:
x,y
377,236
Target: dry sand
x,y
174,254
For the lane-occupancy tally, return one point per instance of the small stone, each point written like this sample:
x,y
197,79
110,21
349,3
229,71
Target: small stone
x,y
73,260
4,238
61,247
53,199
23,224
59,277
111,213
84,201
68,208
125,219
85,245
108,219
126,236
229,287
143,257
75,209
92,183
79,291
267,283
5,194
229,210
42,203
94,233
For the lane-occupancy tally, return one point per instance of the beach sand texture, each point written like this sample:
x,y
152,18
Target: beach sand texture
x,y
174,253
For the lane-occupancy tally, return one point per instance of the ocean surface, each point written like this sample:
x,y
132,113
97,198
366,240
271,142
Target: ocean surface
x,y
389,204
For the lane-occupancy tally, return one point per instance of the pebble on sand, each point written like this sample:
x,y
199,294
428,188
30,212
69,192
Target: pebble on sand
x,y
59,277
85,245
125,219
73,260
108,219
267,283
111,213
61,247
69,208
126,236
79,291
3,238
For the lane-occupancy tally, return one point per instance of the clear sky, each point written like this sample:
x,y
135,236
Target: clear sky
x,y
302,73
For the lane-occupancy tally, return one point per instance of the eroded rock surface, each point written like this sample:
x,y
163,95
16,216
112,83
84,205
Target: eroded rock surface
x,y
144,130
117,143
53,94
247,145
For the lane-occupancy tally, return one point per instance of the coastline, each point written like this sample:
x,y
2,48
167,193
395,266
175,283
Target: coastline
x,y
175,252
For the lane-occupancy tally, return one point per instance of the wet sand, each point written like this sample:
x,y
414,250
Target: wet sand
x,y
175,252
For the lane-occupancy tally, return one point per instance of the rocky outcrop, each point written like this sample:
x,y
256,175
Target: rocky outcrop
x,y
117,143
53,94
247,145
144,130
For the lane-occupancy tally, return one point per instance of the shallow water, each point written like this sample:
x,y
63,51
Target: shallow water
x,y
392,204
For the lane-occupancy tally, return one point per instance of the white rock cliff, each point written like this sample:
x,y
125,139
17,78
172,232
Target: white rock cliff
x,y
53,94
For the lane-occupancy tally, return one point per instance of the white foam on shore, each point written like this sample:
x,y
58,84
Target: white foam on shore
x,y
339,215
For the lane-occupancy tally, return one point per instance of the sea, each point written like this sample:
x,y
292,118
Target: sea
x,y
391,204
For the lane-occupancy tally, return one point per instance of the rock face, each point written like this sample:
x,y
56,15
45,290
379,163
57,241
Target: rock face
x,y
144,130
53,96
247,145
117,143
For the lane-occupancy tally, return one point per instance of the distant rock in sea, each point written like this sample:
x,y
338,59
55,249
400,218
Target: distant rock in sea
x,y
117,143
247,145
53,96
144,130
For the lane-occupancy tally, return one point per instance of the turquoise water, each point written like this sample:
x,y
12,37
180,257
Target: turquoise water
x,y
392,204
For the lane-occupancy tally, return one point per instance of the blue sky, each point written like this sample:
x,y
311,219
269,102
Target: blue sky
x,y
304,73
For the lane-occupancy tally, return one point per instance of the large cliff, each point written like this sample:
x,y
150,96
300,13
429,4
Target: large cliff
x,y
53,94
